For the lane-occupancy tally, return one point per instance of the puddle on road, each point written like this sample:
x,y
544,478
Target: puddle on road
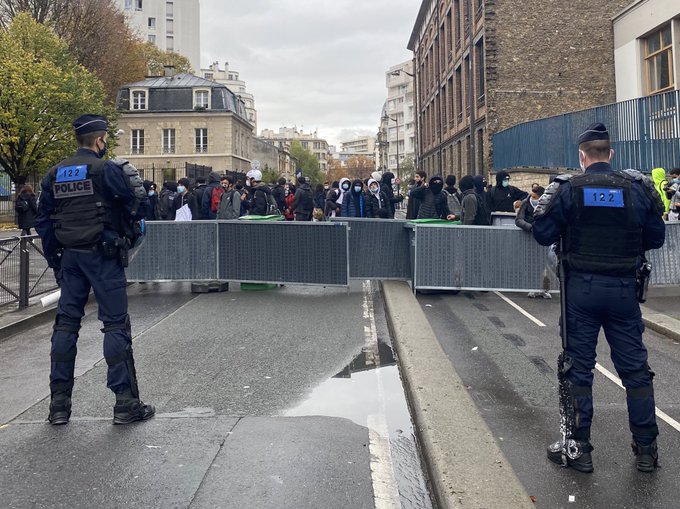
x,y
367,389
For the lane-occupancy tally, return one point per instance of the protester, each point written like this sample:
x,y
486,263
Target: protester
x,y
345,186
303,203
319,197
288,198
198,190
152,213
433,200
525,214
453,197
210,198
480,185
473,210
660,184
413,202
26,208
261,199
673,194
185,196
387,189
278,193
332,208
354,202
166,201
230,201
503,196
376,199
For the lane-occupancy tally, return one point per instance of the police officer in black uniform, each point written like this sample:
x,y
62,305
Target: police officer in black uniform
x,y
606,220
87,217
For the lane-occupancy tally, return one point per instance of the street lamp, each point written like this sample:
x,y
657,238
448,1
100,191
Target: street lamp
x,y
415,108
385,118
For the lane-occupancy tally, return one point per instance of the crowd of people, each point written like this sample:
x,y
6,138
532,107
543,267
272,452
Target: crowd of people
x,y
377,196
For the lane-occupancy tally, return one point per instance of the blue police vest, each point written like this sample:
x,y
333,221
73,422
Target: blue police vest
x,y
604,235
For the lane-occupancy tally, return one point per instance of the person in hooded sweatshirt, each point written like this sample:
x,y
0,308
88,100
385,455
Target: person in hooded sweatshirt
x,y
480,187
303,202
660,184
345,186
433,200
454,197
332,208
376,200
260,195
213,187
386,187
473,205
354,202
503,197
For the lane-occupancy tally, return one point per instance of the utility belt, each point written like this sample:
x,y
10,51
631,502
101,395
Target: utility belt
x,y
111,249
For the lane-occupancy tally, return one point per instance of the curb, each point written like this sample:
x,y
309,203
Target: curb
x,y
661,323
465,465
28,322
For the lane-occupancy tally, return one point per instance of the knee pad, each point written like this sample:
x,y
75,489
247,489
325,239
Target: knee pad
x,y
125,325
65,324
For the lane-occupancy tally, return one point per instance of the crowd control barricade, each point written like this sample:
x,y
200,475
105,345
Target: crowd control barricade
x,y
666,261
378,249
477,258
243,251
176,251
284,252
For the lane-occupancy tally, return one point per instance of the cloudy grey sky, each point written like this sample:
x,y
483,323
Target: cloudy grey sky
x,y
314,63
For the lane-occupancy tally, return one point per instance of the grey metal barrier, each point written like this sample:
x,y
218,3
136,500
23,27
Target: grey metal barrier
x,y
666,261
245,251
284,252
378,249
477,258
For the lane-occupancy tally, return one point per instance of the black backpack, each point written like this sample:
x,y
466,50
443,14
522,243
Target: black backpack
x,y
166,203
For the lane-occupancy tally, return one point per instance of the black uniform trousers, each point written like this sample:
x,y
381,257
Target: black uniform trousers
x,y
80,271
594,302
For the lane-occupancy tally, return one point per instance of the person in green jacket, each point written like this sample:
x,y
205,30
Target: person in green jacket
x,y
660,183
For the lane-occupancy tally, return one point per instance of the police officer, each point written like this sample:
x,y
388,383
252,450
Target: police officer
x,y
86,219
606,220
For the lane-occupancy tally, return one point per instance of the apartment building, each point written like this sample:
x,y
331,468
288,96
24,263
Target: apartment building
x,y
647,48
398,126
234,83
309,141
172,25
168,121
485,65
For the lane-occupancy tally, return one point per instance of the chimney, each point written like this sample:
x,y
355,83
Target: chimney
x,y
169,71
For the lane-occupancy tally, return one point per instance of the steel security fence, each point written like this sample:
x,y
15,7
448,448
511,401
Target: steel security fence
x,y
23,270
645,134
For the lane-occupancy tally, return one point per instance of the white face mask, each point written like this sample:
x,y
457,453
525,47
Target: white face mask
x,y
534,203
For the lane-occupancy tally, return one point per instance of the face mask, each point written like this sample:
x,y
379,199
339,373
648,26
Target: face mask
x,y
152,193
374,189
676,181
506,183
286,192
326,188
345,187
181,189
248,182
357,189
436,187
534,203
102,152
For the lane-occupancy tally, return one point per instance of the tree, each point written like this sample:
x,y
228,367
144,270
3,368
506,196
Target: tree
x,y
307,162
359,167
97,35
42,89
156,59
269,175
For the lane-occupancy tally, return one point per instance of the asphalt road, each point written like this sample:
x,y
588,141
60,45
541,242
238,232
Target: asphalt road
x,y
508,361
289,398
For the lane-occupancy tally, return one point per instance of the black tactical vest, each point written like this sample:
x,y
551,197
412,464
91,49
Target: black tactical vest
x,y
82,211
604,235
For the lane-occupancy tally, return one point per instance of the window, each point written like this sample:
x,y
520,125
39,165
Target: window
x,y
137,141
152,23
317,145
152,38
168,141
659,60
169,26
202,99
208,75
138,100
305,145
201,140
128,5
170,43
479,49
459,94
138,5
169,9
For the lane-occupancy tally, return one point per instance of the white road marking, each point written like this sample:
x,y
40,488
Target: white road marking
x,y
608,374
521,310
385,489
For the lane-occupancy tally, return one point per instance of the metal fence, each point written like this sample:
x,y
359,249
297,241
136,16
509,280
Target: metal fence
x,y
162,173
23,270
645,134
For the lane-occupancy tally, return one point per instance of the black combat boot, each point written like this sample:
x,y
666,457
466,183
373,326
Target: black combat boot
x,y
646,456
576,454
131,409
60,408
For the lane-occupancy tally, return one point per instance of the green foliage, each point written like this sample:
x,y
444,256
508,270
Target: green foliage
x,y
269,175
42,90
307,162
156,59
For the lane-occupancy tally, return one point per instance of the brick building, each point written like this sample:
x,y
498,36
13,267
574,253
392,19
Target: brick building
x,y
485,65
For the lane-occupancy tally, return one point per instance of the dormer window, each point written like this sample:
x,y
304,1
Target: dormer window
x,y
138,100
202,99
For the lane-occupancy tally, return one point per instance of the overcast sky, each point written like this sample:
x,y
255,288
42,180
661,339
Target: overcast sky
x,y
317,64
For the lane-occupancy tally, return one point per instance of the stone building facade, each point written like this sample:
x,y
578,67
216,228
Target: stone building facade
x,y
173,120
485,65
309,141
